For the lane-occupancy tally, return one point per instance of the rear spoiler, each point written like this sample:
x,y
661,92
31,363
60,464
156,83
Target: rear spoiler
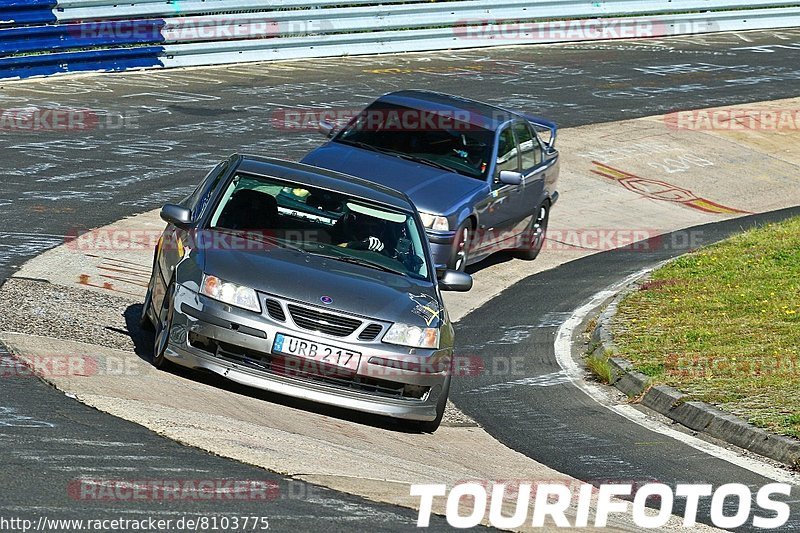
x,y
545,124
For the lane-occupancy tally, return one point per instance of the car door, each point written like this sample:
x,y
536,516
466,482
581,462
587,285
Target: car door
x,y
496,214
533,173
169,252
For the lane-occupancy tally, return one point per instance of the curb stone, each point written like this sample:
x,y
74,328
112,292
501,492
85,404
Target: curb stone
x,y
670,402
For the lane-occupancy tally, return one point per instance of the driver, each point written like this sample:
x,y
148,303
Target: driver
x,y
359,231
471,152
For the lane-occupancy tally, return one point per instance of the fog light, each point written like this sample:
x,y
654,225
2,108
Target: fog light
x,y
436,391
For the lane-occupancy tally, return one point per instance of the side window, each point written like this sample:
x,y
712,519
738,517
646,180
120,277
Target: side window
x,y
198,200
507,158
529,149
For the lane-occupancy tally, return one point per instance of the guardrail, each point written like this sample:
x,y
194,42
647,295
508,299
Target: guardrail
x,y
43,37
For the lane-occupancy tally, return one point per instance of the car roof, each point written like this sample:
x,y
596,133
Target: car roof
x,y
485,115
324,179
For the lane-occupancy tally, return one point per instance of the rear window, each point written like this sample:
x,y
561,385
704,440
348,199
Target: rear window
x,y
447,140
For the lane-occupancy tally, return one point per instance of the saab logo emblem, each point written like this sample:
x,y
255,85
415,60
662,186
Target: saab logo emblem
x,y
327,300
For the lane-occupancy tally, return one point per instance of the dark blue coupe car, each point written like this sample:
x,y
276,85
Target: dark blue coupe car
x,y
483,178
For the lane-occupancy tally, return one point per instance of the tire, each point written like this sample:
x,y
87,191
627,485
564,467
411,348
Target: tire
x,y
162,329
536,234
144,320
430,426
459,256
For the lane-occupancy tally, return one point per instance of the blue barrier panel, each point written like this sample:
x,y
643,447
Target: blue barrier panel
x,y
14,17
14,12
108,60
39,37
26,4
85,35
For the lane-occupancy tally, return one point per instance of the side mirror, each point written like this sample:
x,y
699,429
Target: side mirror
x,y
453,280
509,177
326,128
175,214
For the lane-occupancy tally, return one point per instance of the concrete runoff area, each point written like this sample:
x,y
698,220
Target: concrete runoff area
x,y
620,182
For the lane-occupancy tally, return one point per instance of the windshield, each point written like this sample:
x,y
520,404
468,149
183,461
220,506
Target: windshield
x,y
322,222
435,139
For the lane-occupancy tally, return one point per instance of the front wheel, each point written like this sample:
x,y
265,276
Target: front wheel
x,y
144,319
460,253
429,426
163,328
534,237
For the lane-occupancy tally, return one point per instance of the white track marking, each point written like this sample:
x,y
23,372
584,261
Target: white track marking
x,y
563,353
63,457
546,380
28,234
82,442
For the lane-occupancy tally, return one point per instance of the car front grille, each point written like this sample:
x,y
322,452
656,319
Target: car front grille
x,y
370,332
327,323
275,310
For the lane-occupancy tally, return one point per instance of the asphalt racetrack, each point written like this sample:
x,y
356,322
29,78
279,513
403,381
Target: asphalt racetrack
x,y
158,132
543,415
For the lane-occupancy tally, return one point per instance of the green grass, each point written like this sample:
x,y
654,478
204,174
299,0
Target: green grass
x,y
600,367
723,325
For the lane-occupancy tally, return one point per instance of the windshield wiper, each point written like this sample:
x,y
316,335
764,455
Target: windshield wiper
x,y
402,155
260,237
422,160
360,144
370,264
364,262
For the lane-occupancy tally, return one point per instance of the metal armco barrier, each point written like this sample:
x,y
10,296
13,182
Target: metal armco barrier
x,y
44,37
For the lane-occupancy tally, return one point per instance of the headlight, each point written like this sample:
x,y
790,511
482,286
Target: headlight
x,y
413,336
230,293
434,222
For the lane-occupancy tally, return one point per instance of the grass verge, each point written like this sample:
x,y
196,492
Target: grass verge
x,y
723,325
600,367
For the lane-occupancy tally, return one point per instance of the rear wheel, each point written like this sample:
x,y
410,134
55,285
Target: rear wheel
x,y
163,328
534,237
460,254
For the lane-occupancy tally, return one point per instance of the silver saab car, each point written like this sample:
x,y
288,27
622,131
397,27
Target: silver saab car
x,y
305,282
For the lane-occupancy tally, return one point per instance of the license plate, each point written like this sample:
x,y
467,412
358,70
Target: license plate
x,y
314,351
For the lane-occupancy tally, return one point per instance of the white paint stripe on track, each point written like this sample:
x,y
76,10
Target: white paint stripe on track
x,y
563,353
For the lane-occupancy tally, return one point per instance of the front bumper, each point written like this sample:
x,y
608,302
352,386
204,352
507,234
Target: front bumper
x,y
441,243
400,382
